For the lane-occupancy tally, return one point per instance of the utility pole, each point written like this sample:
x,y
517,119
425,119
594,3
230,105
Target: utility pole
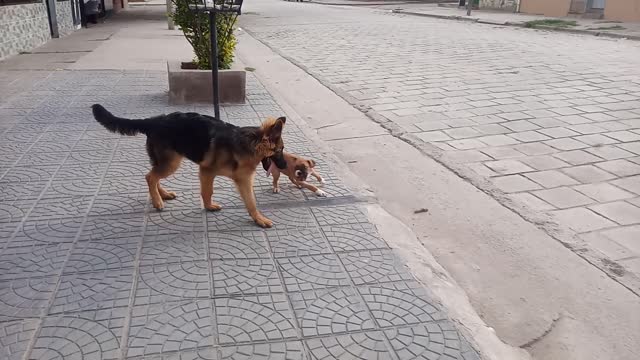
x,y
169,12
469,4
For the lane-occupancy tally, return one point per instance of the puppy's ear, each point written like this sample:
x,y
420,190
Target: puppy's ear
x,y
266,163
312,163
272,128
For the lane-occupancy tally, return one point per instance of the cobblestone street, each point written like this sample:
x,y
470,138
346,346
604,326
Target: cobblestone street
x,y
547,121
89,271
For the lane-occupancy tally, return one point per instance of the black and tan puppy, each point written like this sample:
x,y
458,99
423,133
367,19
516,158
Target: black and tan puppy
x,y
297,169
219,148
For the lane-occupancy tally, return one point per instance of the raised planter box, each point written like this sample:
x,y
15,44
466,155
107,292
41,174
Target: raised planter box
x,y
188,86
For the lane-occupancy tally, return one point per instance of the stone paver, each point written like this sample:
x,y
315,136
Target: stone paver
x,y
89,271
551,118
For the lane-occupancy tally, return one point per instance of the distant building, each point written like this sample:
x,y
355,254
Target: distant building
x,y
620,10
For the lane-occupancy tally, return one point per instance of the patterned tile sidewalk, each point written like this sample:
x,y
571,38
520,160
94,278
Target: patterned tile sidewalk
x,y
89,271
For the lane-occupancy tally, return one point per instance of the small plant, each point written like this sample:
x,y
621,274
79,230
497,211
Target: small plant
x,y
195,26
550,23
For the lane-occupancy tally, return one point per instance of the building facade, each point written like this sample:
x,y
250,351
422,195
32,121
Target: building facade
x,y
618,10
27,24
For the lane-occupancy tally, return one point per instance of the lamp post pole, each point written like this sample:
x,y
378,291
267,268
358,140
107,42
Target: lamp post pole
x,y
213,33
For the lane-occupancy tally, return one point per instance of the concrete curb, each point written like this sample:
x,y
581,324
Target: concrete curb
x,y
520,25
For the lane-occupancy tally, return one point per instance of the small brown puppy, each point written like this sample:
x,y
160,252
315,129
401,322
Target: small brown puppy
x,y
298,169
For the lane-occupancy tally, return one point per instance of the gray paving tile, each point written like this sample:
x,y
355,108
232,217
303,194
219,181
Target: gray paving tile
x,y
93,291
15,210
621,212
292,350
365,346
312,272
238,219
400,304
171,221
58,208
238,245
91,334
245,277
172,327
43,232
29,174
627,237
27,190
113,254
588,174
603,192
354,237
330,311
254,318
172,248
430,341
112,227
299,242
173,282
582,220
119,204
514,183
25,298
339,215
374,266
15,337
25,262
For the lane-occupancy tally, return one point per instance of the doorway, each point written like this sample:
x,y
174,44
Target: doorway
x,y
75,13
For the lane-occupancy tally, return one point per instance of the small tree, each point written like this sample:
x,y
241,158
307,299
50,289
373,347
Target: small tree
x,y
195,26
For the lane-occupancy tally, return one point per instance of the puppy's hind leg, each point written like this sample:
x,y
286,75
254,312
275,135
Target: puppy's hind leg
x,y
276,177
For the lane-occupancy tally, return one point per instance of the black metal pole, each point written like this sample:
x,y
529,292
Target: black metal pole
x,y
214,62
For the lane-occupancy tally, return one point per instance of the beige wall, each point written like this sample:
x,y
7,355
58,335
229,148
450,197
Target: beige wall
x,y
622,10
547,7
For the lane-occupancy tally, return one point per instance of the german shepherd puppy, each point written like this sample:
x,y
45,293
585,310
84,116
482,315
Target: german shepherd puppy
x,y
219,148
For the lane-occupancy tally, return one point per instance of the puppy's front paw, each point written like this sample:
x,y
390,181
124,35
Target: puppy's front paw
x,y
169,195
213,207
322,181
276,190
320,193
158,205
263,222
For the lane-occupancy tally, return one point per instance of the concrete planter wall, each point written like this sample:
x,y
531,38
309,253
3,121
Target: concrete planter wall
x,y
194,86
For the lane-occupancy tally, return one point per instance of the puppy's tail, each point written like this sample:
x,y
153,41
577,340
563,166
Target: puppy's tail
x,y
119,125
